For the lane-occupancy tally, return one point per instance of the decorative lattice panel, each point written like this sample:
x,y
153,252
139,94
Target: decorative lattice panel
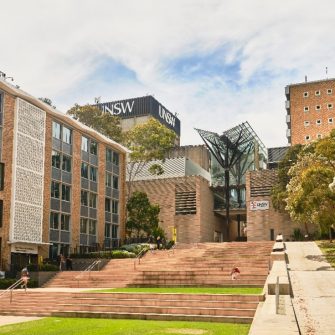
x,y
27,223
28,187
28,173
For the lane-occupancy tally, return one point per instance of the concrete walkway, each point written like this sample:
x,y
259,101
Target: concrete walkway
x,y
312,280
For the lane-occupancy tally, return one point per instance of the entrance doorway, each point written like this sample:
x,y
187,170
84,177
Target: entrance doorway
x,y
19,261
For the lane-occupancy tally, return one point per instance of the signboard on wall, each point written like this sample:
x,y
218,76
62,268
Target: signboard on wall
x,y
259,205
24,248
147,105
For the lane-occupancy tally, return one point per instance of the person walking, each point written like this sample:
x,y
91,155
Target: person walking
x,y
235,273
25,277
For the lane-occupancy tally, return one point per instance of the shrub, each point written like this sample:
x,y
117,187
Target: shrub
x,y
136,248
107,254
170,244
5,283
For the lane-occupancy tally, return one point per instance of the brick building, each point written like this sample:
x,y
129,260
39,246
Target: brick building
x,y
310,110
63,183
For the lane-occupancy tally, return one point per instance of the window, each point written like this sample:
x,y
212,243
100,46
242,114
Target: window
x,y
107,205
94,148
84,143
65,222
93,200
115,158
66,192
116,182
55,189
55,159
1,210
330,106
84,198
55,130
108,179
306,123
318,121
54,220
319,136
109,155
66,163
317,93
2,175
307,137
107,230
317,107
67,135
329,91
115,207
92,227
93,173
115,231
83,226
306,94
330,120
84,170
306,108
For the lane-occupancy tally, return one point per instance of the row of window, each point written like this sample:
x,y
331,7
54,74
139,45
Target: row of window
x,y
60,191
318,107
88,226
317,93
318,122
309,137
61,132
89,145
89,172
59,160
63,223
111,206
88,199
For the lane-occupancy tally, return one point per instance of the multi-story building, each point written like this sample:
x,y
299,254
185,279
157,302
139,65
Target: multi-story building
x,y
310,110
62,184
138,110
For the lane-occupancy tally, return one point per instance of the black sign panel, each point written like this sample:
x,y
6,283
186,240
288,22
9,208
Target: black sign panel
x,y
147,105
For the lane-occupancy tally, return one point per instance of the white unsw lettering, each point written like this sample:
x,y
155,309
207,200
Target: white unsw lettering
x,y
119,107
165,115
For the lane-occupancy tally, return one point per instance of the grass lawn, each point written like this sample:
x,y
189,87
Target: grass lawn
x,y
69,326
187,290
328,249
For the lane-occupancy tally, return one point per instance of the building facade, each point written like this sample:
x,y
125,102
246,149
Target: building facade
x,y
310,110
63,183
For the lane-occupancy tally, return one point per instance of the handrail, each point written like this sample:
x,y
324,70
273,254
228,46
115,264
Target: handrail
x,y
139,257
277,295
88,269
11,288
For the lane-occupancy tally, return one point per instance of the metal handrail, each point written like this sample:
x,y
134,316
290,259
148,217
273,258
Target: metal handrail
x,y
11,288
139,257
88,269
277,295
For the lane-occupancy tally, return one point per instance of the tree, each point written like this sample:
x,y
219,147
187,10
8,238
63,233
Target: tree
x,y
104,123
47,101
148,141
142,215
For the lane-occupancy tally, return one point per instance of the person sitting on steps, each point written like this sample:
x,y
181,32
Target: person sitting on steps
x,y
235,273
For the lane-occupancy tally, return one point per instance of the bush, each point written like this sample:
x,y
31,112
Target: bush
x,y
5,283
42,267
136,248
170,244
107,254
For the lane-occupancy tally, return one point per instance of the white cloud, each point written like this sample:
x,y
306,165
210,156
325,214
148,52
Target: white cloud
x,y
55,49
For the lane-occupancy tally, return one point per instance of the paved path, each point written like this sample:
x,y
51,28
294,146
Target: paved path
x,y
313,284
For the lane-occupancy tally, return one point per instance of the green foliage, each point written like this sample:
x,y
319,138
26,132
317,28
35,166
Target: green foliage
x,y
142,215
136,248
93,117
158,231
42,267
7,282
47,101
297,235
108,254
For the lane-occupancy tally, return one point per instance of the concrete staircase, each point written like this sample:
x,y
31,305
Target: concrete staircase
x,y
203,265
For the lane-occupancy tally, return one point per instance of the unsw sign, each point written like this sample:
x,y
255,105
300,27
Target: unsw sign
x,y
259,205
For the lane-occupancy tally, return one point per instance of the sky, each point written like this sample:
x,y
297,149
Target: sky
x,y
216,63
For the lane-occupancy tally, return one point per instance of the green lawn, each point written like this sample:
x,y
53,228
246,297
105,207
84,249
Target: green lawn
x,y
187,290
69,326
328,249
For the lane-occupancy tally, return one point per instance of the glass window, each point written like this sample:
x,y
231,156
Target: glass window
x,y
66,192
84,170
93,200
67,135
84,143
108,205
55,130
65,222
93,173
55,159
107,230
66,163
84,198
55,189
108,179
94,148
2,175
1,212
116,182
54,220
115,158
109,155
115,207
83,225
92,227
115,231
